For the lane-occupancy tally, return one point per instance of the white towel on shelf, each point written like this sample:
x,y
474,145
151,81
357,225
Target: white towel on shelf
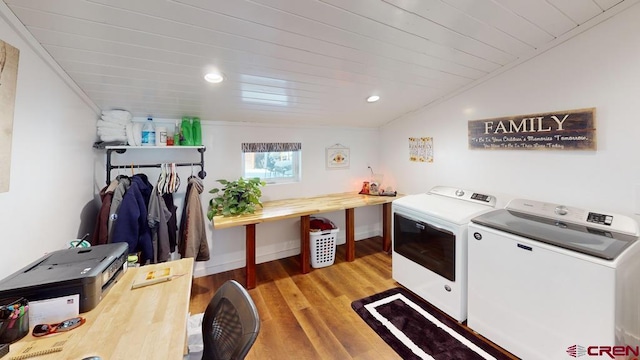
x,y
118,114
109,124
130,138
137,133
112,131
122,138
115,120
112,125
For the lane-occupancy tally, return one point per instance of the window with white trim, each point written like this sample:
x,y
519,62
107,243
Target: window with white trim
x,y
273,163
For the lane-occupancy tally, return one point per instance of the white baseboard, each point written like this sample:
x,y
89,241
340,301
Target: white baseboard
x,y
265,254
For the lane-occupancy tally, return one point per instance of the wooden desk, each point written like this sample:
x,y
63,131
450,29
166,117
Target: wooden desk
x,y
145,323
304,208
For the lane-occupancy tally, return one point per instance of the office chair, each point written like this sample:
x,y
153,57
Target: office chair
x,y
230,324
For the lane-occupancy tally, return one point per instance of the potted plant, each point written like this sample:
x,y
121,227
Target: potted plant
x,y
236,197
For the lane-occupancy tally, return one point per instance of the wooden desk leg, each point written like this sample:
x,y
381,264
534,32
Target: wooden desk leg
x,y
250,236
305,251
350,234
386,227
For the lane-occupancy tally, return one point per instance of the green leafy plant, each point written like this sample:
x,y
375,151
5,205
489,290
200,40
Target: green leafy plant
x,y
236,197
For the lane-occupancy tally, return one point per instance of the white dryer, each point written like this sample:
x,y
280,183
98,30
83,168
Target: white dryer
x,y
430,244
548,281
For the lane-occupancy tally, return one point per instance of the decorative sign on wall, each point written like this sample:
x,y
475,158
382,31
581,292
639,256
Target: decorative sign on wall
x,y
8,77
421,149
337,157
559,130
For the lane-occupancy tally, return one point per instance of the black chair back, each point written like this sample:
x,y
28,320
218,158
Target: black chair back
x,y
230,324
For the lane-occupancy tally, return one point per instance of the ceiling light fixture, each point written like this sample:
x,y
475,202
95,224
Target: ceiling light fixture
x,y
373,98
214,78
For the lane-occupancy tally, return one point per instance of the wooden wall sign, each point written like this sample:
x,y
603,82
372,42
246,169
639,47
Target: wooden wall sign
x,y
559,130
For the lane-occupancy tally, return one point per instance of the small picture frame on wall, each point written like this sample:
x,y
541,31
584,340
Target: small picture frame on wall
x,y
337,157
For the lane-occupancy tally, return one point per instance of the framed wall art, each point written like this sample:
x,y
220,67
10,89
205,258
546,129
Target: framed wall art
x,y
421,149
8,78
337,157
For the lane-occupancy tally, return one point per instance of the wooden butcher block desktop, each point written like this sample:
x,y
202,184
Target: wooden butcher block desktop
x,y
304,208
145,323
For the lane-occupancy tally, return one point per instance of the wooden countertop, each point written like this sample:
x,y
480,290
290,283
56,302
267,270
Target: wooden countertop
x,y
145,323
291,208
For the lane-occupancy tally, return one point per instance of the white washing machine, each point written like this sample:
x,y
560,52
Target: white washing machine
x,y
430,244
548,281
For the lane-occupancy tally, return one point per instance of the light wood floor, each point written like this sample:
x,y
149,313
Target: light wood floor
x,y
309,316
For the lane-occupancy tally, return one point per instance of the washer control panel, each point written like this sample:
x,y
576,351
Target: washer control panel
x,y
601,219
578,216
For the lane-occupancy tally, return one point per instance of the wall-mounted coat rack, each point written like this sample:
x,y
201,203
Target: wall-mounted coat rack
x,y
122,149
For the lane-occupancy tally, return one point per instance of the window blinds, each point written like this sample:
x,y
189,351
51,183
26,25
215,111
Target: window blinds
x,y
270,147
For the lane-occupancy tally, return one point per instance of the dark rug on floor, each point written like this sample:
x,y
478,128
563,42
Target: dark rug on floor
x,y
416,330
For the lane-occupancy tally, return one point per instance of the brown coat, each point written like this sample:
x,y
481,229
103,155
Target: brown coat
x,y
101,231
193,235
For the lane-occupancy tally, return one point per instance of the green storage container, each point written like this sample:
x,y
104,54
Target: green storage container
x,y
186,138
196,131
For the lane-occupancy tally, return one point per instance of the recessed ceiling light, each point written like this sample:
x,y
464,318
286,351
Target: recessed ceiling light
x,y
373,98
214,78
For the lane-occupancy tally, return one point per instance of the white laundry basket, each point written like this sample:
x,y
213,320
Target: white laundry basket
x,y
323,245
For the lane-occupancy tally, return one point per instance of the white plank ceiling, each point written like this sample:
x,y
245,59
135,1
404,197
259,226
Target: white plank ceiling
x,y
294,61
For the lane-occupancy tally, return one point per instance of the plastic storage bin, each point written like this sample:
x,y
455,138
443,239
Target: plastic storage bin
x,y
323,242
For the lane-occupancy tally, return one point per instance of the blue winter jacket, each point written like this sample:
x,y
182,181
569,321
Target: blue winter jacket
x,y
131,225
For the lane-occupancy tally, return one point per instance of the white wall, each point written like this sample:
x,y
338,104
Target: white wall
x,y
56,175
598,68
223,160
282,238
51,161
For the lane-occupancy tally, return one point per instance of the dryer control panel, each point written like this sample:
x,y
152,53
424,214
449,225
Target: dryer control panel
x,y
463,194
